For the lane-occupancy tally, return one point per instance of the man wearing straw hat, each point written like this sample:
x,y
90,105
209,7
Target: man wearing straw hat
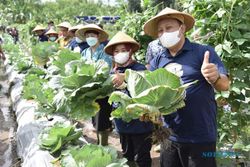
x,y
94,35
40,32
64,39
76,44
194,126
135,136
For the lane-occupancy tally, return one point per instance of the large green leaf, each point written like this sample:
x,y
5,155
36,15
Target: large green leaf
x,y
159,96
54,138
152,93
136,82
162,77
91,155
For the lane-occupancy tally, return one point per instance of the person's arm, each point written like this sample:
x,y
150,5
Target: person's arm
x,y
212,74
222,83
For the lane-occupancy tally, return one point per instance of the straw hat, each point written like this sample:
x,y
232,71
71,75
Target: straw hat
x,y
150,27
75,27
51,31
121,38
103,35
64,25
38,27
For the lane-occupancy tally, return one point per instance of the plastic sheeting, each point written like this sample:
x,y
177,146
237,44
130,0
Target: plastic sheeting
x,y
29,124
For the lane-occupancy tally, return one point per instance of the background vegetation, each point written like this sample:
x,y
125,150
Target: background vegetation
x,y
223,24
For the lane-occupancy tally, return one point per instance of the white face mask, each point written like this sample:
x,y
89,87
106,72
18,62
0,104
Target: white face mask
x,y
92,41
121,58
78,40
169,39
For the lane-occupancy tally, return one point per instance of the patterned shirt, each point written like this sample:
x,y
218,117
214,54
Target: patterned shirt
x,y
97,55
154,48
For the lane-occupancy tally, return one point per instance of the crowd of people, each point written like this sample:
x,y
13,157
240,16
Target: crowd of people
x,y
193,126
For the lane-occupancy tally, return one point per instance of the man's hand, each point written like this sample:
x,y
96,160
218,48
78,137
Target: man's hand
x,y
209,70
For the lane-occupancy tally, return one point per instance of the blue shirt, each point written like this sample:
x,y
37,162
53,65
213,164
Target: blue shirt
x,y
196,122
97,55
73,44
43,38
135,126
154,48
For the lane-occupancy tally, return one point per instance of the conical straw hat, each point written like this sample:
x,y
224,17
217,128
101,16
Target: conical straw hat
x,y
76,27
64,25
103,35
38,27
51,31
121,38
150,27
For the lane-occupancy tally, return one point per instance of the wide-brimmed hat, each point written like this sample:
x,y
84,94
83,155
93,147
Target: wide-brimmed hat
x,y
150,27
75,27
121,38
38,28
51,31
64,25
103,35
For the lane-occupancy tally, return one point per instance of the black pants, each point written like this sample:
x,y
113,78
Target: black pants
x,y
187,155
136,147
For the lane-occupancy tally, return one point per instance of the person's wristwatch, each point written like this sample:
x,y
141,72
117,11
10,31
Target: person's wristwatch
x,y
219,77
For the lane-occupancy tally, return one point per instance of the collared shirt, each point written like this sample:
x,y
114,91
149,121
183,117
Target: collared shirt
x,y
196,122
97,55
154,48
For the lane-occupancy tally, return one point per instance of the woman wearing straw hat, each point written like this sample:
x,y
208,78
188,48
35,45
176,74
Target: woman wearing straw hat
x,y
40,32
64,37
194,126
135,136
52,35
94,35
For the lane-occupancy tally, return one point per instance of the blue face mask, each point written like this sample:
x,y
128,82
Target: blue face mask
x,y
78,40
52,39
92,41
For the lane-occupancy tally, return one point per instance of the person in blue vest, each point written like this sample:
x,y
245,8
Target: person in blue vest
x,y
135,136
94,35
76,44
40,32
194,126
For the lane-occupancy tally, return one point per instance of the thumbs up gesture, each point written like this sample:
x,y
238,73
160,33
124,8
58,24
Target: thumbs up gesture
x,y
209,70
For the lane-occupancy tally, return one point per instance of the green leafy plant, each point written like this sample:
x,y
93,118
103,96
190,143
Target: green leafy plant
x,y
82,84
92,156
152,93
64,56
132,24
42,51
56,137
